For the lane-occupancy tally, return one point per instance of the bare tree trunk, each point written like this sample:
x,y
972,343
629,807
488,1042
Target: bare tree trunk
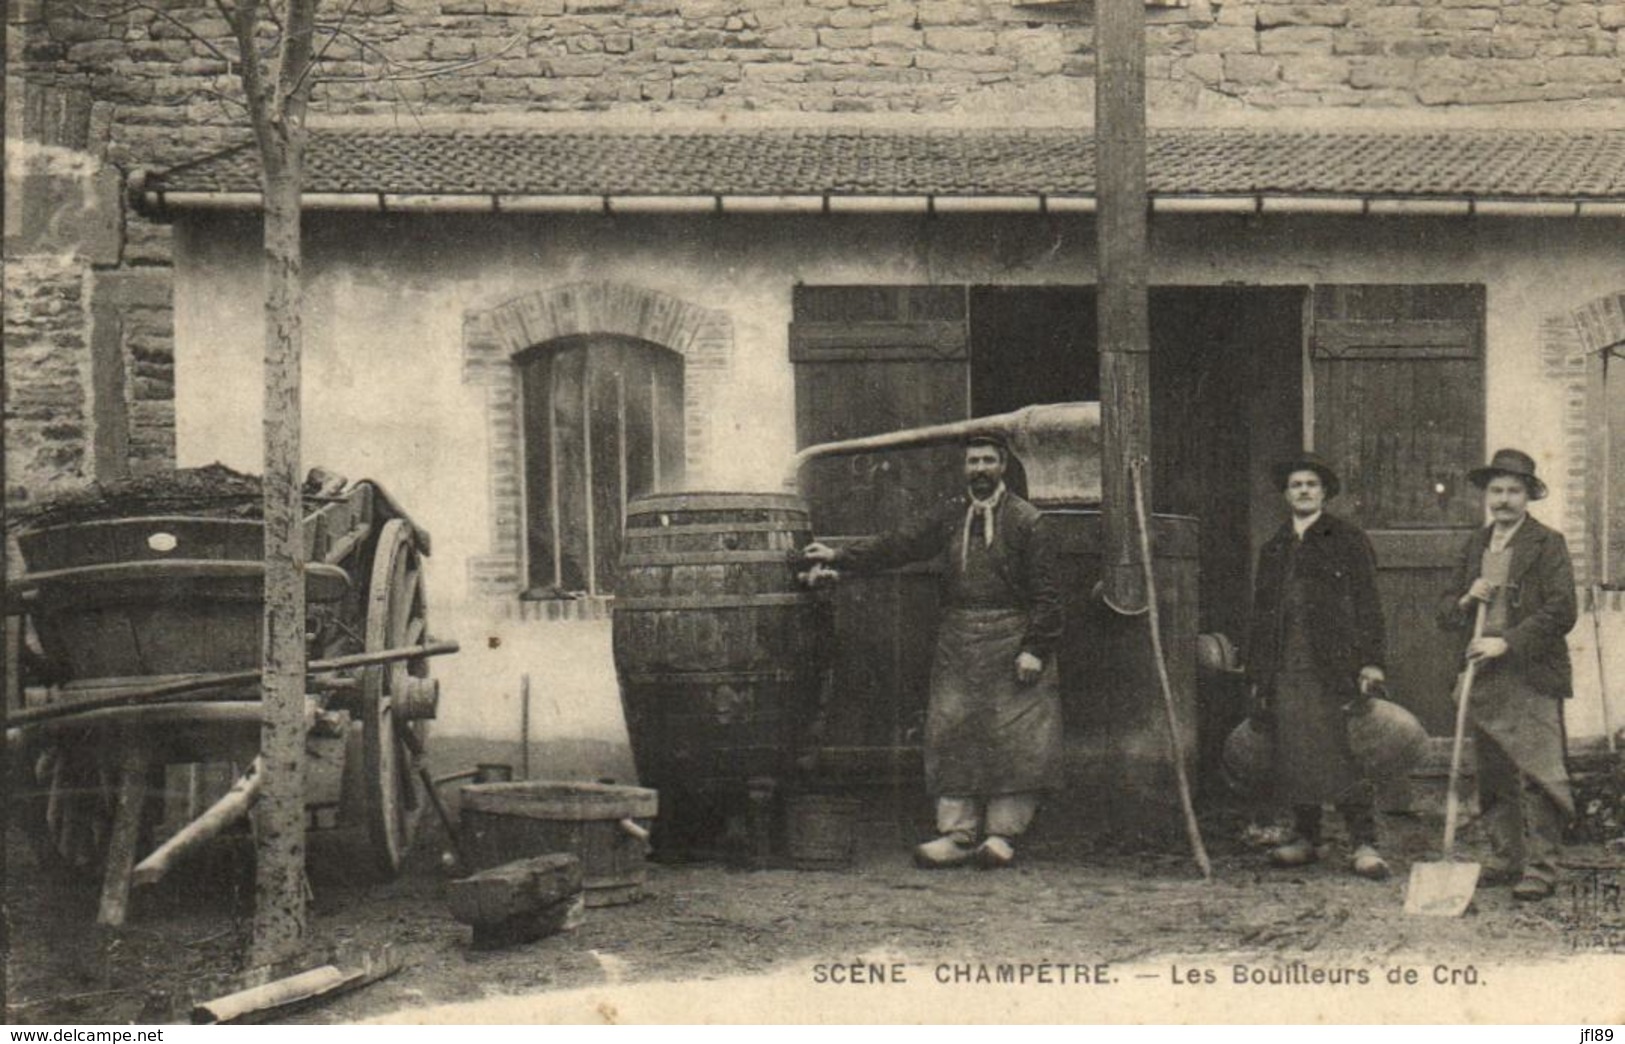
x,y
277,97
279,893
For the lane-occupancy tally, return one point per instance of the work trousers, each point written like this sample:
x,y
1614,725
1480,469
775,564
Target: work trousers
x,y
1524,824
1007,815
1359,817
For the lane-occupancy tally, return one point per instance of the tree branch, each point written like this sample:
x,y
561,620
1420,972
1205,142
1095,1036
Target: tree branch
x,y
428,73
295,62
241,17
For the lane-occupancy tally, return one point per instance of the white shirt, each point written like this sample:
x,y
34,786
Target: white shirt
x,y
1499,540
1301,525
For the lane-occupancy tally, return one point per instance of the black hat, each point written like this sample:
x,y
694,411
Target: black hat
x,y
1512,462
1307,461
989,438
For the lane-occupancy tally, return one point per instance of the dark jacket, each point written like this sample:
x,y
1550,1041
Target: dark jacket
x,y
1542,605
1343,612
1024,554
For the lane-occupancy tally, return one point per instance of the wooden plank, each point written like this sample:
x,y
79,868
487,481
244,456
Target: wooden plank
x,y
623,478
671,452
902,363
569,442
131,800
1396,339
1422,660
604,363
1598,451
849,304
12,655
894,341
1419,548
1403,423
1613,490
541,470
651,420
233,806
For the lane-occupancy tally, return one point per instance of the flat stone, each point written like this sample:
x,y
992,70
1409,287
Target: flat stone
x,y
521,901
1302,14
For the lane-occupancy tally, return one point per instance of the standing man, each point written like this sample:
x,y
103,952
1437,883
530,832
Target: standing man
x,y
993,724
1314,657
1518,571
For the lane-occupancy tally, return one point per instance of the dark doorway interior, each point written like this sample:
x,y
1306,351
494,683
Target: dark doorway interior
x,y
1032,344
1226,401
1226,379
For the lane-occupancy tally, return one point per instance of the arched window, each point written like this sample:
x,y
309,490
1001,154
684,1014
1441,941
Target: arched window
x,y
603,422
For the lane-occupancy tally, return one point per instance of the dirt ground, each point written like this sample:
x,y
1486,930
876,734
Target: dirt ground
x,y
1066,900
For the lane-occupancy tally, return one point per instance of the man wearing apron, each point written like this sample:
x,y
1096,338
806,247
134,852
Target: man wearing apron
x,y
993,723
1519,571
1314,655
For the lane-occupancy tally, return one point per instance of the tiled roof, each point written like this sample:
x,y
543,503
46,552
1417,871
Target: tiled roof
x,y
1512,164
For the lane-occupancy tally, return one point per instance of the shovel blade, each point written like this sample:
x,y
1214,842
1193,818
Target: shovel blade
x,y
1440,889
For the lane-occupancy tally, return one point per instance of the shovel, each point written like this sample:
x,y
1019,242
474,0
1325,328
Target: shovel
x,y
1444,889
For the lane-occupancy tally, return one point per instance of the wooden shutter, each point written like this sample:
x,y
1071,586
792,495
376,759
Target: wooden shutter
x,y
1398,409
870,360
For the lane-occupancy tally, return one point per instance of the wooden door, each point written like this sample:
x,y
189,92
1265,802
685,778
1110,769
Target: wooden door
x,y
870,360
1398,409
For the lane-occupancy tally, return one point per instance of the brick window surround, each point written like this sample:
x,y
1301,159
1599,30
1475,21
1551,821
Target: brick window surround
x,y
1573,343
493,336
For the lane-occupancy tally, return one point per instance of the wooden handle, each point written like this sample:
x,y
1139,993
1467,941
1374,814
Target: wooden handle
x,y
1463,695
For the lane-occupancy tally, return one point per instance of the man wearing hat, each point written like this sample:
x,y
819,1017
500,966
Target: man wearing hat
x,y
1315,654
993,723
1518,571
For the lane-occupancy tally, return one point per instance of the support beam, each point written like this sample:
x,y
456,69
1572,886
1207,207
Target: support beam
x,y
1122,253
132,797
233,806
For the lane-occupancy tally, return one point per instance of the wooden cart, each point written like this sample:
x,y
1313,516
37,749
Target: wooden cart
x,y
135,646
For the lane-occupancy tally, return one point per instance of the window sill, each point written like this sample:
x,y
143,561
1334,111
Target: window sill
x,y
544,607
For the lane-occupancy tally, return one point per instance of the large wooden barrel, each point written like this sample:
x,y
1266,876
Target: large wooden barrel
x,y
717,646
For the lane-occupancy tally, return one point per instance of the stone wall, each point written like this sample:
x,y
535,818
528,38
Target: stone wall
x,y
124,86
47,376
920,56
88,330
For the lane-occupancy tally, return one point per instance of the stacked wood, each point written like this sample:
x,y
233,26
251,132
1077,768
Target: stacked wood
x,y
520,902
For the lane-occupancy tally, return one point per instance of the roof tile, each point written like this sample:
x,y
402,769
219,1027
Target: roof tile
x,y
1498,164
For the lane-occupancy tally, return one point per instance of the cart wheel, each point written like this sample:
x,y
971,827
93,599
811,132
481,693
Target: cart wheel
x,y
70,794
393,798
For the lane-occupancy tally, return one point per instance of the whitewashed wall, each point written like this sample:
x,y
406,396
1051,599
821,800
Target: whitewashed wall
x,y
385,399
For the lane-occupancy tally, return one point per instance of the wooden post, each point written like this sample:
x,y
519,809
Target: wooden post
x,y
524,726
1121,250
132,796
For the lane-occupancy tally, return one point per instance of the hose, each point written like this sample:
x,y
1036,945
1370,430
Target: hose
x,y
1192,830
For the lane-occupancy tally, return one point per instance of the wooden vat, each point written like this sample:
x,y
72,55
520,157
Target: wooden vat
x,y
604,826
